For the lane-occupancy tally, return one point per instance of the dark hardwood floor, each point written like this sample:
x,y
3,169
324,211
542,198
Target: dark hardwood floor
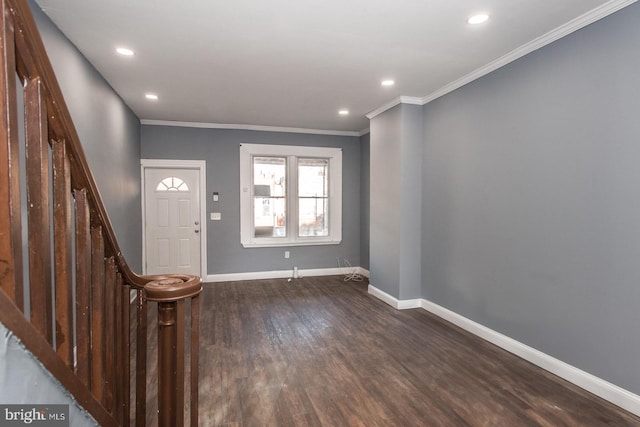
x,y
319,351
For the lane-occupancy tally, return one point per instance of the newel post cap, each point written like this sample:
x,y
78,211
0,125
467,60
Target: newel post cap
x,y
174,287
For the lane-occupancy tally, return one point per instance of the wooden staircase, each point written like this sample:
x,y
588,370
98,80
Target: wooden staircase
x,y
76,277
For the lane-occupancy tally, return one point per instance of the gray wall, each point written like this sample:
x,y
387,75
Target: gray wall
x,y
109,133
395,201
364,199
411,203
384,268
221,150
531,201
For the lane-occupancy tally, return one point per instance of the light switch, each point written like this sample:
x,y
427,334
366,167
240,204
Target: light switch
x,y
216,216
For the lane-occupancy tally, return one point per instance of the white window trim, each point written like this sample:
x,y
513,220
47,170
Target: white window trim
x,y
247,152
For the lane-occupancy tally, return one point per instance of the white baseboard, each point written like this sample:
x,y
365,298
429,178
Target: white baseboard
x,y
392,301
362,271
282,274
606,390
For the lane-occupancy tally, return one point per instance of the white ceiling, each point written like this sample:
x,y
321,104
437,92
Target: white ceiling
x,y
289,63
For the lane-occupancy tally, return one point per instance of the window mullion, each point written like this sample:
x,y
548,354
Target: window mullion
x,y
252,203
292,198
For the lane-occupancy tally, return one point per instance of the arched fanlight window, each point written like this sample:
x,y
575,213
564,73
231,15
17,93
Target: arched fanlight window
x,y
172,183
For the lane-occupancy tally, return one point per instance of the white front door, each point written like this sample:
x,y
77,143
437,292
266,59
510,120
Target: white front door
x,y
172,221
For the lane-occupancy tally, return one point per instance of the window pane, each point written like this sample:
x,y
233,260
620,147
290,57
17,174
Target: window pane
x,y
270,220
313,177
313,216
313,197
172,183
269,190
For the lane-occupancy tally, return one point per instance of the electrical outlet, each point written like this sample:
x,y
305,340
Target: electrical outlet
x,y
216,216
286,254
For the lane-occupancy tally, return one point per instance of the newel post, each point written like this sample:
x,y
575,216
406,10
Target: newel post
x,y
171,292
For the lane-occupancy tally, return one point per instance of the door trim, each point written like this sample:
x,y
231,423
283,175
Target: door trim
x,y
201,166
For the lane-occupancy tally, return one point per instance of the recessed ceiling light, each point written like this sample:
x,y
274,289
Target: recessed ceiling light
x,y
478,19
124,51
343,112
388,83
151,96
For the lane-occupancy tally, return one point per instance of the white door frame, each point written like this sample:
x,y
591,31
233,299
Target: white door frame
x,y
201,166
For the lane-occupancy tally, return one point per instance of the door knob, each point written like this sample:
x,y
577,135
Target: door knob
x,y
197,231
197,223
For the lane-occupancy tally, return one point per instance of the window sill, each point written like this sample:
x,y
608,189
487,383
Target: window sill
x,y
290,243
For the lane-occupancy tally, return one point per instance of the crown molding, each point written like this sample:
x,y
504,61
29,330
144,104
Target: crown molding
x,y
248,127
412,100
581,21
389,105
535,44
364,131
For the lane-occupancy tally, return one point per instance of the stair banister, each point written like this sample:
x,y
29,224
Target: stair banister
x,y
76,252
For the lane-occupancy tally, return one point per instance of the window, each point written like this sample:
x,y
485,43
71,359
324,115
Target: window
x,y
290,195
172,183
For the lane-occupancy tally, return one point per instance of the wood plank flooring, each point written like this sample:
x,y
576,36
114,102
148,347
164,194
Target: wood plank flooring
x,y
319,351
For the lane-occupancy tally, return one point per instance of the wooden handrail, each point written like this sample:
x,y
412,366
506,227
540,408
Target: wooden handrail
x,y
60,184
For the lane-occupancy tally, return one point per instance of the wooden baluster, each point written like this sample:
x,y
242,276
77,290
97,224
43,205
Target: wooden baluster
x,y
167,364
97,312
117,302
11,279
195,358
179,369
62,231
126,355
37,149
109,342
141,359
83,286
